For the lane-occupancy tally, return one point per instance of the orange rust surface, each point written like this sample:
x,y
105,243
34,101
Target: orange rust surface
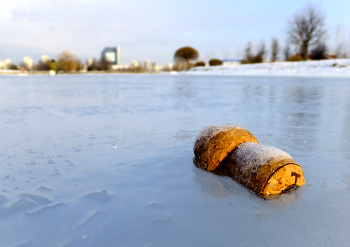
x,y
284,178
209,156
276,176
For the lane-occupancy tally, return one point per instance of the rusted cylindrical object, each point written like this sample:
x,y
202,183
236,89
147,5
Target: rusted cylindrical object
x,y
234,151
265,170
215,142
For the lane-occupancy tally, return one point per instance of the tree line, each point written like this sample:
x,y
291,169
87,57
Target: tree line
x,y
305,30
68,62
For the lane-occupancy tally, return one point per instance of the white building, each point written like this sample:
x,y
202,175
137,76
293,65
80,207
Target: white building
x,y
89,62
28,62
169,67
45,59
121,67
157,68
6,64
148,66
119,55
134,64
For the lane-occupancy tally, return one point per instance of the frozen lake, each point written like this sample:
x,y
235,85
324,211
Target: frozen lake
x,y
106,160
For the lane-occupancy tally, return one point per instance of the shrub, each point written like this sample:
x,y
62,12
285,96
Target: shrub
x,y
53,65
186,53
255,59
319,52
42,66
104,64
67,62
215,62
199,64
295,58
13,67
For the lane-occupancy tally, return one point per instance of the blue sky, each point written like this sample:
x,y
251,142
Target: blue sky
x,y
153,29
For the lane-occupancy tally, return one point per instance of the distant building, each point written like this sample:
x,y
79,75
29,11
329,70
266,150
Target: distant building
x,y
119,55
6,64
112,55
120,68
231,61
89,62
157,68
148,66
28,62
45,59
169,67
134,64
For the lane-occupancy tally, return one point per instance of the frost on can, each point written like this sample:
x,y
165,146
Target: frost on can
x,y
233,151
265,170
215,142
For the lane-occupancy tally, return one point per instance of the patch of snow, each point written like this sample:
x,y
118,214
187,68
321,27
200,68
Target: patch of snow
x,y
330,67
210,131
250,156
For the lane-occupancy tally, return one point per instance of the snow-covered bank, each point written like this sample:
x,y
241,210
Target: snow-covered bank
x,y
331,67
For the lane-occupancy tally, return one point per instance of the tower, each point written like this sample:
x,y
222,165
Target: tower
x,y
119,56
112,55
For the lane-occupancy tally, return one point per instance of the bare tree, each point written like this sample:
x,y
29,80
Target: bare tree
x,y
226,54
210,55
274,50
250,58
286,52
248,52
42,65
262,50
307,28
104,64
67,62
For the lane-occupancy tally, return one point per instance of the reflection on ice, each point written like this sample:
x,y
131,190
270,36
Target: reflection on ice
x,y
213,185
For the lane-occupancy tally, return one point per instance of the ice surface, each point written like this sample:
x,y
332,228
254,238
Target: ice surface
x,y
250,156
97,196
35,198
147,192
21,205
46,209
210,131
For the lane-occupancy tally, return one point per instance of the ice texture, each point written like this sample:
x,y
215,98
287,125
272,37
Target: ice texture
x,y
210,131
147,192
250,156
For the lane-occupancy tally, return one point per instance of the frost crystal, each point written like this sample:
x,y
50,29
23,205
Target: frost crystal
x,y
210,131
250,156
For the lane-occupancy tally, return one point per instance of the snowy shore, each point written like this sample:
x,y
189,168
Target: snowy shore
x,y
331,67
